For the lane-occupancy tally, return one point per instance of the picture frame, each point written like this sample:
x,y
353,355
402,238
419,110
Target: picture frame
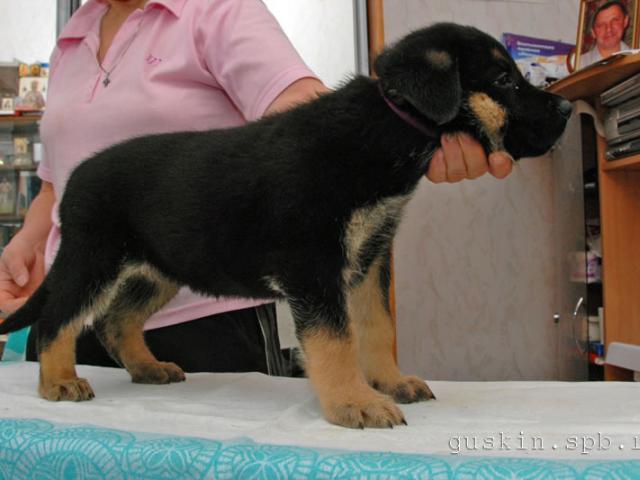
x,y
21,154
9,80
28,187
7,231
7,106
8,193
588,42
6,147
33,93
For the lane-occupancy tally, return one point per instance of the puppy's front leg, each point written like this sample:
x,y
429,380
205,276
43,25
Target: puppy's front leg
x,y
368,307
331,362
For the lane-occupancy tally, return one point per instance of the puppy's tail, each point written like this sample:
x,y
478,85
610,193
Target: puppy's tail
x,y
28,314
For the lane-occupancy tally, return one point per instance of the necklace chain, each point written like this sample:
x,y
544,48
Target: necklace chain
x,y
107,73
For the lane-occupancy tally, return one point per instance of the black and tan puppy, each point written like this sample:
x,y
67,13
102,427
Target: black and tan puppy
x,y
301,205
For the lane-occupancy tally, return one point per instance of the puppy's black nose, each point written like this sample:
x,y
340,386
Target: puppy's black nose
x,y
564,107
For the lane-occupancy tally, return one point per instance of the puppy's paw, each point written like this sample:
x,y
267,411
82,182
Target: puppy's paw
x,y
156,373
375,411
74,390
409,389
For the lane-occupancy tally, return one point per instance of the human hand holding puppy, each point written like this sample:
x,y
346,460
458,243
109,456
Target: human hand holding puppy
x,y
462,157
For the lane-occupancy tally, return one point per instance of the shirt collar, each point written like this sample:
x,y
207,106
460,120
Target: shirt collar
x,y
85,18
174,6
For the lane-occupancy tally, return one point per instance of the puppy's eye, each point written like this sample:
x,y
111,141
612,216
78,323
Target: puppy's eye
x,y
504,80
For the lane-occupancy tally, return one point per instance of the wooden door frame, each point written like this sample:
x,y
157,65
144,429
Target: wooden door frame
x,y
375,18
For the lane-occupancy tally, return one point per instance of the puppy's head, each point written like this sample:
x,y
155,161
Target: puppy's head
x,y
461,79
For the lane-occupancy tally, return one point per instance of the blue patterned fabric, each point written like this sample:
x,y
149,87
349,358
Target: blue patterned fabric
x,y
16,346
38,449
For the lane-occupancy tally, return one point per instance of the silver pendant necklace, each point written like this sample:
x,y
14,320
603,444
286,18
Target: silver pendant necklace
x,y
107,73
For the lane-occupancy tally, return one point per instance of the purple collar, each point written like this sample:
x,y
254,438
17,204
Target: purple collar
x,y
411,120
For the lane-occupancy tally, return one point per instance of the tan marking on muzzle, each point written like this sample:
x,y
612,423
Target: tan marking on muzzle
x,y
491,115
439,59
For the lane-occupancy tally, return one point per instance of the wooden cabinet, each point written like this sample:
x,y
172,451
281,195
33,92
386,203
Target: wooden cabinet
x,y
619,212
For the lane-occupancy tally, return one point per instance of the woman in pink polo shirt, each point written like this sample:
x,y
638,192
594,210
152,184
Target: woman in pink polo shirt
x,y
125,68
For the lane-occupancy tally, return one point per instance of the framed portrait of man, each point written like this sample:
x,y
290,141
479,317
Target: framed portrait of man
x,y
605,28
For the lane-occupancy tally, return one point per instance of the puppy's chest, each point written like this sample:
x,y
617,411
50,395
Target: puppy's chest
x,y
368,232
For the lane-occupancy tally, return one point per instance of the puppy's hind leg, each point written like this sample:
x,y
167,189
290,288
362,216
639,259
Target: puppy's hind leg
x,y
75,282
368,306
331,362
57,356
138,292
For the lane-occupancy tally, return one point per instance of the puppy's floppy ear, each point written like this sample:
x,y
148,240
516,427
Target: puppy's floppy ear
x,y
428,79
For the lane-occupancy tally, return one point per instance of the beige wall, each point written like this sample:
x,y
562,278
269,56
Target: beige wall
x,y
475,262
552,19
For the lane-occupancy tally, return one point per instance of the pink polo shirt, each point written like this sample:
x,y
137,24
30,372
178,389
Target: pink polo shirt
x,y
176,65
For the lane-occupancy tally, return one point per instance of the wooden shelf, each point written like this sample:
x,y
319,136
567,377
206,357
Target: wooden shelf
x,y
592,81
18,168
5,219
619,186
628,163
29,118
